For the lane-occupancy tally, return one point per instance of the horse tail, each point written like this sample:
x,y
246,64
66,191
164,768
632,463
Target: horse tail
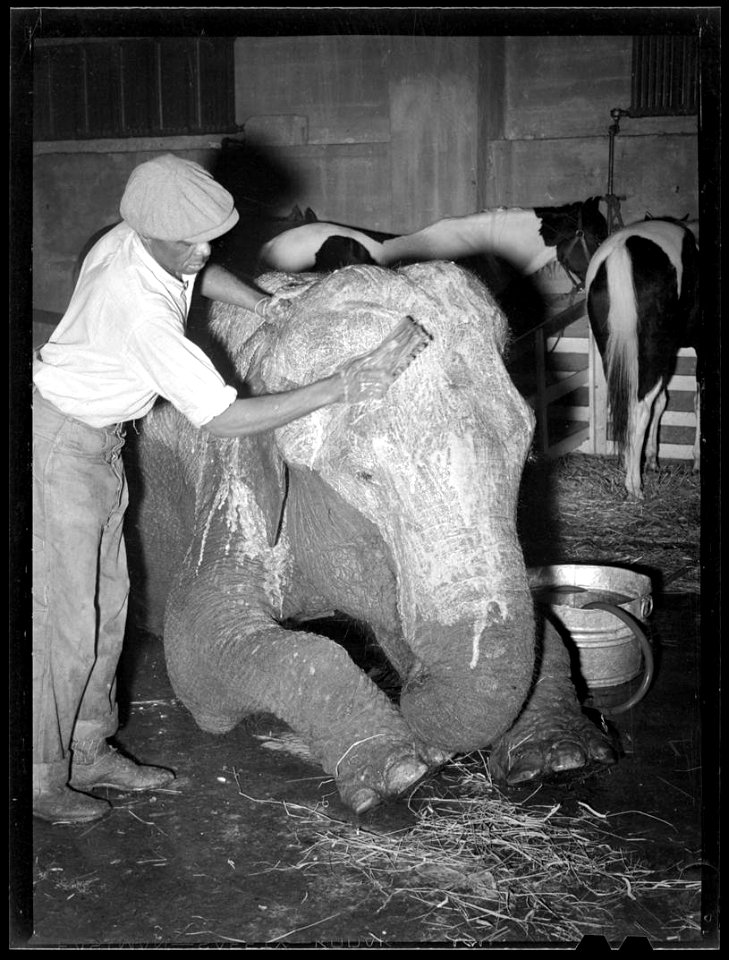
x,y
621,358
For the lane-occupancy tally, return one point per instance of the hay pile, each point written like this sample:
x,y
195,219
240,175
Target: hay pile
x,y
478,867
575,510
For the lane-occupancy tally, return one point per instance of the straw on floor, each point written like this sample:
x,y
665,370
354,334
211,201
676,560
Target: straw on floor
x,y
479,867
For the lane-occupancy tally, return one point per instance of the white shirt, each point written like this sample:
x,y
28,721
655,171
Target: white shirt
x,y
121,343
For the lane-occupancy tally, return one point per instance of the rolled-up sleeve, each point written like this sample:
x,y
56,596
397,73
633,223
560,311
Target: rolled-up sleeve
x,y
177,369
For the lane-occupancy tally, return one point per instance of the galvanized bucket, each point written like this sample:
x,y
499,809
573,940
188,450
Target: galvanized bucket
x,y
602,609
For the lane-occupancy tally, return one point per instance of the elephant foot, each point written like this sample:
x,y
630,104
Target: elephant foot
x,y
380,774
212,723
520,758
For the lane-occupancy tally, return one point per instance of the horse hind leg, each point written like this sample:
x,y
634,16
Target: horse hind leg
x,y
639,418
651,447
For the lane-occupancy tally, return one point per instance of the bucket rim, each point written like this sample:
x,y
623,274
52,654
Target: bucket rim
x,y
547,573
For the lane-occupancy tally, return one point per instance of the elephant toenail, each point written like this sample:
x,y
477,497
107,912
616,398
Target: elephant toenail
x,y
525,764
522,772
404,774
363,800
603,752
435,757
566,756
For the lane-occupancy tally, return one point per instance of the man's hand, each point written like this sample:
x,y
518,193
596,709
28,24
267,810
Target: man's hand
x,y
369,377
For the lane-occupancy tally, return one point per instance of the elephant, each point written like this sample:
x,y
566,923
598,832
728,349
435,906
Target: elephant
x,y
398,512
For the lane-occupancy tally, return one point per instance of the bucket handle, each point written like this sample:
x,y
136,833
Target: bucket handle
x,y
645,647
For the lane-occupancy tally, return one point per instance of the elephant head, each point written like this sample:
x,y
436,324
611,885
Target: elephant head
x,y
434,467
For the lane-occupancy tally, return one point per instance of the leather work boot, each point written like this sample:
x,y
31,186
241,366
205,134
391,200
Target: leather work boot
x,y
61,804
97,764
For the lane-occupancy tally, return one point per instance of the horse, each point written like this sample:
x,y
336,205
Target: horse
x,y
528,239
337,252
297,249
642,302
514,251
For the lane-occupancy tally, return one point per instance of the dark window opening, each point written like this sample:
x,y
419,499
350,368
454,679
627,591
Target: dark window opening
x,y
664,76
133,88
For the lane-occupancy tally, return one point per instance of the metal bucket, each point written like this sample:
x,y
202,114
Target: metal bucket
x,y
602,609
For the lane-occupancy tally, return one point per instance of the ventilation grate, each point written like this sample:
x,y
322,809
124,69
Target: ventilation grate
x,y
664,76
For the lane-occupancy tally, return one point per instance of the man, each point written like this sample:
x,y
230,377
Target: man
x,y
120,345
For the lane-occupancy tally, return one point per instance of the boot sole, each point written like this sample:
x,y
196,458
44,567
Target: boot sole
x,y
123,788
59,818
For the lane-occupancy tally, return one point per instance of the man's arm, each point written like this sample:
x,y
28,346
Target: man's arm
x,y
256,414
364,378
217,283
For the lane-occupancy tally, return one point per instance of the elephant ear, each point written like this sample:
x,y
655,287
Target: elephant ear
x,y
268,471
269,477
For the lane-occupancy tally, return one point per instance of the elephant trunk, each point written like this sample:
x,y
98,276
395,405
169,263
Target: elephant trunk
x,y
473,640
465,700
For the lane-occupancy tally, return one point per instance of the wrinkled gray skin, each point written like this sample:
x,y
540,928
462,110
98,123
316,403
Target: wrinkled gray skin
x,y
398,512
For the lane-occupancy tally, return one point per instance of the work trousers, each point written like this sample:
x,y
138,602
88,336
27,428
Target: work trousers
x,y
80,585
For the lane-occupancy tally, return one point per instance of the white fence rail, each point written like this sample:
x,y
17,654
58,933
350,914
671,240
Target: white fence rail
x,y
561,366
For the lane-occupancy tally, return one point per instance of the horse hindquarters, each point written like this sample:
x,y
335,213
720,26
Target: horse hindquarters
x,y
613,312
642,301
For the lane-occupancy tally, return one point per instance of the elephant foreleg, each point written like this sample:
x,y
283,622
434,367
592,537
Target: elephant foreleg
x,y
228,657
552,734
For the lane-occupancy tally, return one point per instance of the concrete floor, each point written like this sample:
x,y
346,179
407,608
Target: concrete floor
x,y
213,862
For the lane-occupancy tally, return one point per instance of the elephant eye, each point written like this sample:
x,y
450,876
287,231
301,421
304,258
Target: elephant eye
x,y
364,475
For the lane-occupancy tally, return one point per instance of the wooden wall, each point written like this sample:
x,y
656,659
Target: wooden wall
x,y
552,144
393,132
381,128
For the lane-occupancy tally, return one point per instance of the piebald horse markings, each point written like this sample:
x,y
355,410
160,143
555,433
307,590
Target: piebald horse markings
x,y
296,250
528,239
642,301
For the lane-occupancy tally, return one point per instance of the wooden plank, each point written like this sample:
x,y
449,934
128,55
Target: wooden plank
x,y
569,444
556,390
562,387
678,418
574,413
598,399
666,451
567,345
672,418
558,322
679,382
675,451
